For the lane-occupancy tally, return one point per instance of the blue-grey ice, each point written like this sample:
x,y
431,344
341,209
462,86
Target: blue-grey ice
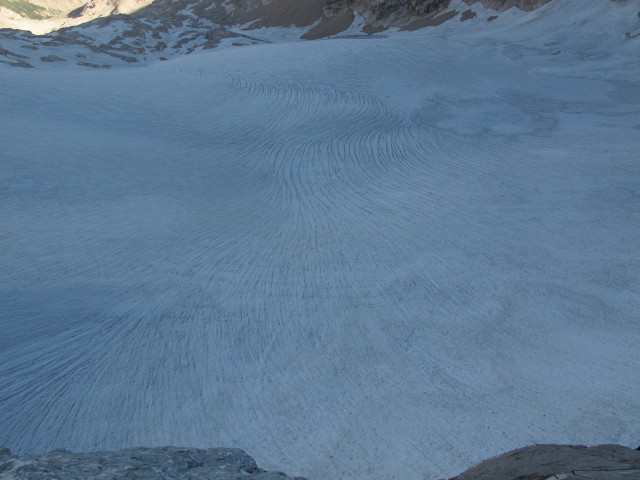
x,y
355,259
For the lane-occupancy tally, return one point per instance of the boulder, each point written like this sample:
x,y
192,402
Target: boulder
x,y
559,462
137,463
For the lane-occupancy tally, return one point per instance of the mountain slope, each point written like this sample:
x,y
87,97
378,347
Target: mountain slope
x,y
175,27
43,16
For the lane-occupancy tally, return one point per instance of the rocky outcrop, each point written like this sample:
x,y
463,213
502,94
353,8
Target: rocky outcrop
x,y
501,5
47,16
165,28
139,464
389,12
44,16
537,462
559,462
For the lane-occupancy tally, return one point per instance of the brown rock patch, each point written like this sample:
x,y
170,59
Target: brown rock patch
x,y
330,26
467,15
431,21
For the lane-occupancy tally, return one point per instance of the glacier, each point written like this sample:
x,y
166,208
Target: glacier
x,y
386,257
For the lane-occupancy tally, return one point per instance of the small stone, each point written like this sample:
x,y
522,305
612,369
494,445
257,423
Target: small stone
x,y
52,58
93,65
467,15
194,464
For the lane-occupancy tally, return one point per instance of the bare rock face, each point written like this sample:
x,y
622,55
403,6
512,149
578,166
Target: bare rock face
x,y
559,462
383,9
137,463
502,5
386,13
149,30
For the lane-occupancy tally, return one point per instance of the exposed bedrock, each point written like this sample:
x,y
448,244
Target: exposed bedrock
x,y
559,462
537,462
384,9
139,464
502,5
47,15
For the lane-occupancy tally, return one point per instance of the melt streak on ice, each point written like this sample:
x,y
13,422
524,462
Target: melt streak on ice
x,y
353,258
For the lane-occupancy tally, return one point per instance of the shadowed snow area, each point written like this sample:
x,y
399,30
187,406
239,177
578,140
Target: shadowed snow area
x,y
385,258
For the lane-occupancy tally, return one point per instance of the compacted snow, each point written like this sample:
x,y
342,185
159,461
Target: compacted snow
x,y
377,258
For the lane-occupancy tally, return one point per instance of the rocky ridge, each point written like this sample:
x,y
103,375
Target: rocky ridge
x,y
139,464
138,31
502,5
559,462
537,462
165,28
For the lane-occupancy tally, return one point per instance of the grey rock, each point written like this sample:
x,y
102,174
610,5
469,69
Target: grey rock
x,y
52,58
382,10
389,13
77,12
559,462
501,5
137,463
93,65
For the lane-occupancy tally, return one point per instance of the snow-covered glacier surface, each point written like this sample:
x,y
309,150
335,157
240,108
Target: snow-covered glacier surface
x,y
377,258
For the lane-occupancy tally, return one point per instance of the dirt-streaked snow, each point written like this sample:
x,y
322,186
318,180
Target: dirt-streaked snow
x,y
355,259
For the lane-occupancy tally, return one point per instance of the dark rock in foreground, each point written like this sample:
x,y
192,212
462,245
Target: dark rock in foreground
x,y
538,462
559,462
137,463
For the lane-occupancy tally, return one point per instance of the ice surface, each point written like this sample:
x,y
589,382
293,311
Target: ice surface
x,y
354,259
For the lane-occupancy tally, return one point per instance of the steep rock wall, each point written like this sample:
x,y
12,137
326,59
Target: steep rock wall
x,y
377,10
